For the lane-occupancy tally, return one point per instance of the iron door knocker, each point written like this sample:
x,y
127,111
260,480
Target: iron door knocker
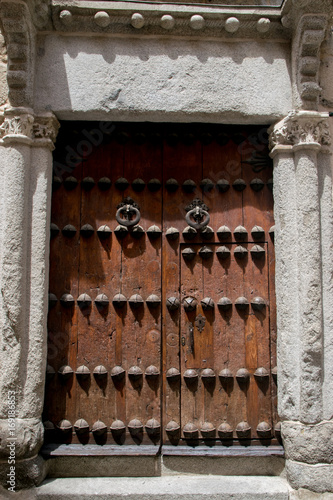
x,y
130,212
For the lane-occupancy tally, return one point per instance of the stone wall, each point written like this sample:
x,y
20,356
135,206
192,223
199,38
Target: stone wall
x,y
3,70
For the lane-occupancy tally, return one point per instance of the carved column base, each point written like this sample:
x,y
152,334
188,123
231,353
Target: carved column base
x,y
28,473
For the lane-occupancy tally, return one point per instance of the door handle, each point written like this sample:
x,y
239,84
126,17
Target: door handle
x,y
130,212
197,214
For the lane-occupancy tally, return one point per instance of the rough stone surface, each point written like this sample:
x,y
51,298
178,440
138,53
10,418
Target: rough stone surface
x,y
138,79
3,72
303,494
28,473
308,443
28,436
317,478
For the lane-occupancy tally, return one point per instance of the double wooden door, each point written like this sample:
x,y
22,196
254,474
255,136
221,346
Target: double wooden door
x,y
161,325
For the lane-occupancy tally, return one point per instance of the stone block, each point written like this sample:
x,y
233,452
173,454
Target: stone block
x,y
308,443
317,478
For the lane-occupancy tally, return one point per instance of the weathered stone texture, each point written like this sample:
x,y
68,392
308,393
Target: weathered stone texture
x,y
317,478
308,443
3,72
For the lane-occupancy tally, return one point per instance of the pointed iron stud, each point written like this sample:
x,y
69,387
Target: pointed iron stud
x,y
171,185
138,185
100,372
54,230
207,185
272,233
67,300
139,138
257,251
152,371
172,374
154,232
224,304
243,429
190,304
82,372
102,300
87,230
189,233
226,374
188,254
104,232
274,373
117,428
239,185
99,428
223,252
207,233
188,139
191,431
119,300
258,304
137,232
264,430
240,233
135,427
121,232
153,427
222,139
242,303
223,233
257,233
238,138
122,137
153,301
261,373
154,185
277,430
104,183
208,374
206,253
117,373
50,373
52,300
121,184
240,252
135,301
48,426
172,234
81,426
70,183
65,426
172,428
65,372
223,185
225,431
208,430
242,374
56,183
257,185
207,304
189,186
173,303
191,375
270,184
172,139
87,183
135,373
206,138
69,231
84,300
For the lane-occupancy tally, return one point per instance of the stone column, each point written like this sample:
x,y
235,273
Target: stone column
x,y
26,169
304,270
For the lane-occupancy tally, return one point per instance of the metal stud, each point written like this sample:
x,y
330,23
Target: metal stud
x,y
277,430
121,232
223,252
242,303
270,184
135,372
272,233
257,232
206,252
172,374
54,230
104,183
239,185
224,304
207,233
189,233
188,254
190,304
257,185
206,138
189,139
242,374
100,371
172,303
102,300
172,139
82,372
81,426
70,183
65,372
207,304
135,301
189,186
119,300
274,373
117,373
87,230
172,233
135,426
171,185
139,138
67,300
152,371
257,251
153,427
236,138
258,304
104,232
172,428
190,430
154,185
208,430
99,428
121,184
137,232
223,233
206,185
52,300
222,139
122,137
50,373
264,429
225,431
240,233
240,252
87,183
48,425
154,232
117,427
191,375
84,300
69,231
223,185
56,183
225,374
208,374
243,429
64,426
138,185
261,373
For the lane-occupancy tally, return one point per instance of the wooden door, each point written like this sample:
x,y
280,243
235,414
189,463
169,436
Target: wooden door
x,y
159,332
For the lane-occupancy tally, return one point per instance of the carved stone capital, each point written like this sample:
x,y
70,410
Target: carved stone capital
x,y
303,128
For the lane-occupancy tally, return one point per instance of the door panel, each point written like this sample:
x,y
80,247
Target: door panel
x,y
116,374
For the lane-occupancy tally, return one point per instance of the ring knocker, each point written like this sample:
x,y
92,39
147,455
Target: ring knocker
x,y
197,214
128,213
